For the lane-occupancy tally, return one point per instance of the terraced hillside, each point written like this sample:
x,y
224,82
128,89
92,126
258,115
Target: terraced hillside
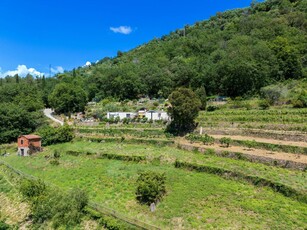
x,y
195,198
257,179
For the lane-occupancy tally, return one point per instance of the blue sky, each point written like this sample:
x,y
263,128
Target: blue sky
x,y
68,33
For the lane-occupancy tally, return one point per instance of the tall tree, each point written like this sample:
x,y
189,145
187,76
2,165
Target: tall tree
x,y
184,108
201,93
67,98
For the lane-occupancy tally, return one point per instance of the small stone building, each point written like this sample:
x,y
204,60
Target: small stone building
x,y
29,144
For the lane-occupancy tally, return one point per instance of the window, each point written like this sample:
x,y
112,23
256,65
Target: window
x,y
21,142
128,115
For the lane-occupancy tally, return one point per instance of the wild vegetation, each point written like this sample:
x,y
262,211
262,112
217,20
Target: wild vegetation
x,y
113,183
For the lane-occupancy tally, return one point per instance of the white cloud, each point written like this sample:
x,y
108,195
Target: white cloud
x,y
88,63
22,71
122,29
57,69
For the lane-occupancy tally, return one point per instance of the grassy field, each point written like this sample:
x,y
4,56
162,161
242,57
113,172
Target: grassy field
x,y
193,200
275,119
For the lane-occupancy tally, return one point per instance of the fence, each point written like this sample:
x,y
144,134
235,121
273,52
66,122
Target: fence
x,y
97,207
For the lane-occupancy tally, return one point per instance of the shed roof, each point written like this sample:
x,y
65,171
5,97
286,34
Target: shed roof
x,y
31,137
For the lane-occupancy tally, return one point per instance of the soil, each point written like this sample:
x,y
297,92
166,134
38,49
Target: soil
x,y
256,152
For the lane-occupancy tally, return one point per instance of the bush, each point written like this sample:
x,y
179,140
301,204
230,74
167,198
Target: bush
x,y
73,153
52,135
264,104
64,209
250,144
301,100
126,120
212,108
156,104
56,154
207,140
32,188
55,162
225,141
150,187
4,226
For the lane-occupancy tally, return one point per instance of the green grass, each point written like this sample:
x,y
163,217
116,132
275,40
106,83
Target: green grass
x,y
5,186
119,132
193,200
274,119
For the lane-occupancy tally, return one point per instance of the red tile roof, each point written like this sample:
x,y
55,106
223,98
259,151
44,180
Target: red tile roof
x,y
30,137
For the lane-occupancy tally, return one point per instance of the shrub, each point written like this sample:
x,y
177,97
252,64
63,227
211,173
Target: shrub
x,y
150,187
32,188
55,162
73,153
250,144
126,120
210,152
64,209
112,223
207,140
52,135
4,226
156,104
56,154
211,108
225,141
264,104
301,100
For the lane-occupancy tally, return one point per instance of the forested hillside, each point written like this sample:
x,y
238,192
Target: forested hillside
x,y
234,53
22,101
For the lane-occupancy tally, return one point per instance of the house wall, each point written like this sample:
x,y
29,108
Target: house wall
x,y
35,143
26,151
157,116
121,115
23,142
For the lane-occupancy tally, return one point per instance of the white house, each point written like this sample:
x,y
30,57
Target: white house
x,y
156,115
121,115
150,115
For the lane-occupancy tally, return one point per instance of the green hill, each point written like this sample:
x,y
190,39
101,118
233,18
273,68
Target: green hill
x,y
234,53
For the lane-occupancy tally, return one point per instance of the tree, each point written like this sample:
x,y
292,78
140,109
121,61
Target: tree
x,y
201,93
17,78
67,98
15,120
52,135
150,187
184,108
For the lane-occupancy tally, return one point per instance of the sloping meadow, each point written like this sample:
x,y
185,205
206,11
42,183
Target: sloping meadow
x,y
193,199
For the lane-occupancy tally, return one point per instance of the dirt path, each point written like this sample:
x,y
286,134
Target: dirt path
x,y
48,113
263,140
254,152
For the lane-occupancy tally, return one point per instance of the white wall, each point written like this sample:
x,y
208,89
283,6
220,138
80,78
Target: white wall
x,y
121,115
157,116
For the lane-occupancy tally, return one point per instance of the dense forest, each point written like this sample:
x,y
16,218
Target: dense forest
x,y
236,53
20,106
